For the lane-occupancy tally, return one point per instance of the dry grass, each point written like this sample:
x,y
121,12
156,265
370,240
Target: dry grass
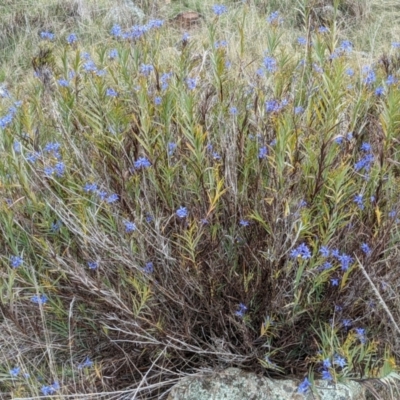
x,y
145,332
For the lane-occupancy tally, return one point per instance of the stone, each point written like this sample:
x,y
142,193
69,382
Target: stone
x,y
188,19
235,384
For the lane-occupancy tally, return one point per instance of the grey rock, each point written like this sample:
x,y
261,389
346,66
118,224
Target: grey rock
x,y
234,384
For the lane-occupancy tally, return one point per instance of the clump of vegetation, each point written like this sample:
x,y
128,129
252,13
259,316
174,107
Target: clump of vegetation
x,y
225,199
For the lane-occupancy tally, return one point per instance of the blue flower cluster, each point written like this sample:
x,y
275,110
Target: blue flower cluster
x,y
51,389
344,259
87,363
136,31
367,160
219,9
8,118
16,261
304,386
274,106
301,251
92,187
39,299
241,311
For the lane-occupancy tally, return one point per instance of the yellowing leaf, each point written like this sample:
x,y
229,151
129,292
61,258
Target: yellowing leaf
x,y
378,215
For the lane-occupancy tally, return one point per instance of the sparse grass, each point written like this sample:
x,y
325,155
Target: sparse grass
x,y
177,201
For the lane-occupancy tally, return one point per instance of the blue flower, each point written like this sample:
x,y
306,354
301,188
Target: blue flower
x,y
113,53
216,156
51,389
318,69
334,281
185,37
326,363
323,29
129,226
32,157
244,222
304,386
63,82
346,323
191,83
380,90
171,148
148,268
219,9
302,202
327,265
365,147
391,80
86,364
324,251
47,35
146,69
346,46
116,31
16,261
263,152
41,299
260,72
335,253
301,251
182,212
274,18
358,199
52,147
340,361
396,45
92,264
366,249
15,371
157,100
59,169
90,187
155,23
360,331
221,43
112,198
302,41
364,163
164,80
349,72
370,76
272,106
361,335
241,310
46,390
72,38
89,66
55,226
48,171
141,162
102,194
326,375
345,261
111,92
270,64
233,111
298,110
17,146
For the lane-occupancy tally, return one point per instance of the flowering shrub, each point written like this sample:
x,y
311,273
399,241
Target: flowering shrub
x,y
154,208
